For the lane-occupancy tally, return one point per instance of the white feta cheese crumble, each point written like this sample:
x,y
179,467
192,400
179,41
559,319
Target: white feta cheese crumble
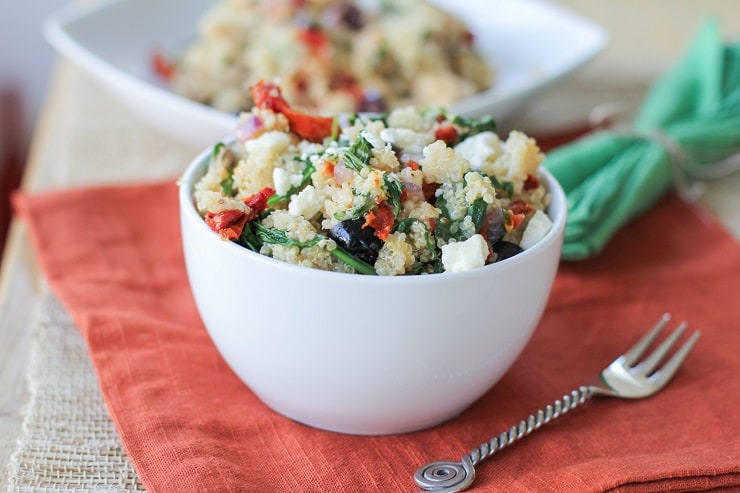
x,y
373,139
272,142
307,203
464,255
539,225
406,139
481,150
281,180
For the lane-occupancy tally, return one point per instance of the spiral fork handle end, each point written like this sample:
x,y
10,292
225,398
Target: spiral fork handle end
x,y
446,477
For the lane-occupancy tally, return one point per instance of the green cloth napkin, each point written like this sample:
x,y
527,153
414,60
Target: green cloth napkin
x,y
689,120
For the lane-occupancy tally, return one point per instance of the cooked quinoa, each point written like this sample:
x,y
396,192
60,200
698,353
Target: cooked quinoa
x,y
404,192
330,56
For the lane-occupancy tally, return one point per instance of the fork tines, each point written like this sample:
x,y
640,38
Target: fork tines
x,y
649,365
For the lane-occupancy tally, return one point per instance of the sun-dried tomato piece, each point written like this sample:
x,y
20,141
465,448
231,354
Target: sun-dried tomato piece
x,y
531,182
258,201
309,127
513,221
446,133
162,66
314,38
381,220
520,207
229,224
430,189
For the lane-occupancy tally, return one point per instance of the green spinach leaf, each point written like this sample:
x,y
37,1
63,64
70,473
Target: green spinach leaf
x,y
279,237
358,155
359,265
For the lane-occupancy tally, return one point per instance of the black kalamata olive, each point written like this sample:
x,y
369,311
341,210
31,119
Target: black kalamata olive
x,y
493,225
506,249
344,14
372,102
360,242
351,16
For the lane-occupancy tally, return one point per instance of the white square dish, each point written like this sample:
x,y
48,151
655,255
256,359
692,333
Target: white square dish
x,y
530,43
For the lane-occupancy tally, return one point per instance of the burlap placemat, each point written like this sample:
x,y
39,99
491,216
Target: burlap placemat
x,y
68,443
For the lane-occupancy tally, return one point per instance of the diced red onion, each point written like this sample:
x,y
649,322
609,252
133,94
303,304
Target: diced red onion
x,y
246,128
413,191
342,173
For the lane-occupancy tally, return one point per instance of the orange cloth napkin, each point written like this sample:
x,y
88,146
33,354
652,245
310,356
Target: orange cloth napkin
x,y
113,256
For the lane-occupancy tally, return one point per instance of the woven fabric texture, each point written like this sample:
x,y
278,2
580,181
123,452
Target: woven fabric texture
x,y
68,443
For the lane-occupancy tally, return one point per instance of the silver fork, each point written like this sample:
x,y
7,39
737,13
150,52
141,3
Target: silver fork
x,y
626,377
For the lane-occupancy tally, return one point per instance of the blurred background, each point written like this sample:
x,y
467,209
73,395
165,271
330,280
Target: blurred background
x,y
27,61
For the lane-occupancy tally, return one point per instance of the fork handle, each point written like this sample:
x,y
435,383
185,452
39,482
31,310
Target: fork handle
x,y
450,477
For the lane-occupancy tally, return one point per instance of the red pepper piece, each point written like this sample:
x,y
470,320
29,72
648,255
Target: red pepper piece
x,y
229,224
381,220
513,221
329,168
161,66
446,133
313,38
429,189
309,127
531,183
520,207
413,164
258,202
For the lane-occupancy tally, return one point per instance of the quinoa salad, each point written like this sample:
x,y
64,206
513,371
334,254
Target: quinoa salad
x,y
331,56
396,193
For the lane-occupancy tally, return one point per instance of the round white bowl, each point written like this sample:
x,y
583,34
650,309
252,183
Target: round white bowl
x,y
365,354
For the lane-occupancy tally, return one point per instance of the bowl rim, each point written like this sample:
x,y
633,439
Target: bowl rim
x,y
188,212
